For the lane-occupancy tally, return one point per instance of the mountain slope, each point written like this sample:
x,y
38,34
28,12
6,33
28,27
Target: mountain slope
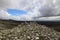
x,y
26,31
29,31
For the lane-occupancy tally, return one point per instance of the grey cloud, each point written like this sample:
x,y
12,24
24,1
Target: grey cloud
x,y
35,8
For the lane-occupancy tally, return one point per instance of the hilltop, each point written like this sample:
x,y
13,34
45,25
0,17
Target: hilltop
x,y
28,30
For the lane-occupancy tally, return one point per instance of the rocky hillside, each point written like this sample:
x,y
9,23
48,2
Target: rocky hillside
x,y
11,30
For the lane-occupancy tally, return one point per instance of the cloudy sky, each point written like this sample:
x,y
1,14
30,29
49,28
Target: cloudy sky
x,y
30,9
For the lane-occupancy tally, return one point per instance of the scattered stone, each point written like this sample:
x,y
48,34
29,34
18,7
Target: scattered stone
x,y
28,37
29,31
37,38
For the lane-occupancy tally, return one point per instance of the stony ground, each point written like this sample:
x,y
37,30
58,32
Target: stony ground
x,y
29,31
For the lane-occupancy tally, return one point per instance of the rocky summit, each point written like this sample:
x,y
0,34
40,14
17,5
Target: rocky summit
x,y
27,31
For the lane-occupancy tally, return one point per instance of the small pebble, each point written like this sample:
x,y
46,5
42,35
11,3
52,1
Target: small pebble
x,y
15,37
37,37
28,37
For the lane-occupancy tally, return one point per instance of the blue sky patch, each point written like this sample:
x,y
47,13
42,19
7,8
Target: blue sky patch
x,y
16,12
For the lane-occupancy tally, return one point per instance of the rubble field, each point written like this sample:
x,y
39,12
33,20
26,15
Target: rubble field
x,y
29,31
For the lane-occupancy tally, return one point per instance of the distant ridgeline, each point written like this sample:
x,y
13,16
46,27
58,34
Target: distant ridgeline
x,y
39,22
51,24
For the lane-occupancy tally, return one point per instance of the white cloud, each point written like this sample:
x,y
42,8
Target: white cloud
x,y
35,8
53,18
4,15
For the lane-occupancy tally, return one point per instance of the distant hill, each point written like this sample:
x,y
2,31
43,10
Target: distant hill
x,y
8,23
12,23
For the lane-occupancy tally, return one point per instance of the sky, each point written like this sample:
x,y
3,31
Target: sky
x,y
16,12
28,10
